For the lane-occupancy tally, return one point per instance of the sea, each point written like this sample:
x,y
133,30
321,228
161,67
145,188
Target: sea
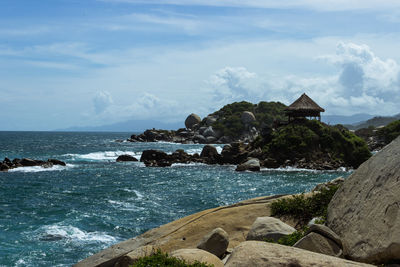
x,y
60,215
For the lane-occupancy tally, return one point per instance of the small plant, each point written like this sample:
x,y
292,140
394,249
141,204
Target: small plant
x,y
291,239
160,259
302,208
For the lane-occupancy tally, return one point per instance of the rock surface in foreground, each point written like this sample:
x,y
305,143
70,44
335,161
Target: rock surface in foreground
x,y
215,242
257,253
193,255
365,211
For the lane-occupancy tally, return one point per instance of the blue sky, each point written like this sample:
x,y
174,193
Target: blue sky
x,y
78,63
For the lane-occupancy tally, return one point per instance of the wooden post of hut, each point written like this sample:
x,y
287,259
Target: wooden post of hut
x,y
304,107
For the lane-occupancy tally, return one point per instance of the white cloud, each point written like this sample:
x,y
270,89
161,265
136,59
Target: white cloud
x,y
102,101
327,5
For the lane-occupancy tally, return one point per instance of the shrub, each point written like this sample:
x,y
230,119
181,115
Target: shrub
x,y
390,131
160,259
302,208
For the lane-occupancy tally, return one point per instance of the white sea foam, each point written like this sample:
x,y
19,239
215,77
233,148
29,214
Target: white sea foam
x,y
75,234
290,169
41,169
125,205
104,155
188,164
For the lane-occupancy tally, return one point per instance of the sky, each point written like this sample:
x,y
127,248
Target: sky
x,y
70,63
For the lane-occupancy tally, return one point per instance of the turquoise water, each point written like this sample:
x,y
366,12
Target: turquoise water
x,y
58,216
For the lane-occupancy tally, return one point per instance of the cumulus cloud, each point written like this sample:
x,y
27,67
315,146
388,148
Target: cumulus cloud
x,y
101,101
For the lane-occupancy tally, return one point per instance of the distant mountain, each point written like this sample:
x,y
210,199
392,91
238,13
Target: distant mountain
x,y
341,119
375,121
127,126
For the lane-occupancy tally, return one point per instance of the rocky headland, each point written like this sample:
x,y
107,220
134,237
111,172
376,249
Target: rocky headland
x,y
361,227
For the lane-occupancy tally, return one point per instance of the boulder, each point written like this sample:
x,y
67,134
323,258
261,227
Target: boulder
x,y
265,228
215,242
28,162
192,120
210,153
365,211
335,182
57,162
211,139
199,139
248,117
153,154
209,132
234,153
271,163
192,255
319,244
260,254
133,256
126,158
252,164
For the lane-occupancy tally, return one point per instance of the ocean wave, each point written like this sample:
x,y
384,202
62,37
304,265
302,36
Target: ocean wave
x,y
57,232
104,155
137,193
125,205
188,164
41,169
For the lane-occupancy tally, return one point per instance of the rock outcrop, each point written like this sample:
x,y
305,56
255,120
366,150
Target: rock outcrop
x,y
260,254
7,164
365,211
269,228
248,117
215,242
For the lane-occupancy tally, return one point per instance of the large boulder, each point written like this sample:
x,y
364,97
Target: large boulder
x,y
269,228
57,162
364,212
248,117
192,120
153,154
192,255
215,242
210,154
320,244
260,254
252,164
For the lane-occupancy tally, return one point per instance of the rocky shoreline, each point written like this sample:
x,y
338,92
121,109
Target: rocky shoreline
x,y
8,164
238,153
362,226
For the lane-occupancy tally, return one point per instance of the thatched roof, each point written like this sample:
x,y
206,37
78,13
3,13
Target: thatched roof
x,y
304,103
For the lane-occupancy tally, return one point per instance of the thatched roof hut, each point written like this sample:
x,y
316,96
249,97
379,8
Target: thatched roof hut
x,y
304,107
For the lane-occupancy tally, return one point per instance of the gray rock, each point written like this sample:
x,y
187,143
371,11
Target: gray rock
x,y
364,212
209,132
264,254
265,228
57,162
202,129
192,120
4,167
248,117
335,182
28,162
211,139
252,164
215,242
319,244
326,232
200,139
192,255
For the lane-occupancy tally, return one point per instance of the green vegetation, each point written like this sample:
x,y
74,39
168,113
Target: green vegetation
x,y
291,239
390,131
229,117
304,208
311,139
160,259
